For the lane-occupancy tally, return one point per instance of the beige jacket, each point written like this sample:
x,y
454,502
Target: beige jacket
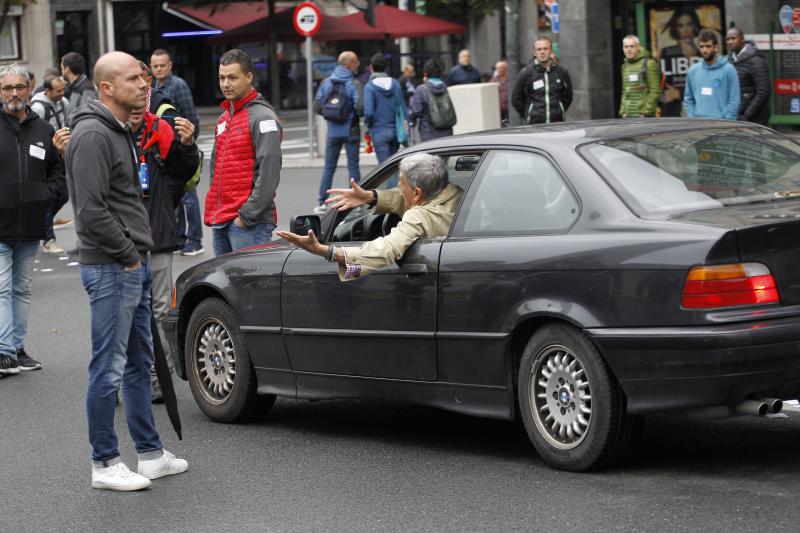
x,y
430,219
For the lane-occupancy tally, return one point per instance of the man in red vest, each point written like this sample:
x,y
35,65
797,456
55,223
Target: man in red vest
x,y
245,162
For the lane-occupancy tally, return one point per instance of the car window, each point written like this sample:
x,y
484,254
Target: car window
x,y
517,193
672,172
461,167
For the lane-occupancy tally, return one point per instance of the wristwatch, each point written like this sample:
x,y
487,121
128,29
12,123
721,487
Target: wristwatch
x,y
374,198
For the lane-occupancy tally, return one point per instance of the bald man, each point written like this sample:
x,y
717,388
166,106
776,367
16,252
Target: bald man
x,y
106,185
340,100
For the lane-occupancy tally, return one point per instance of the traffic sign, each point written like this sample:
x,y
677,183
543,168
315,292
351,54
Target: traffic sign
x,y
307,19
785,16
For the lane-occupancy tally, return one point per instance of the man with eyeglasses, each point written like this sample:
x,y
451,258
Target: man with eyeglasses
x,y
30,179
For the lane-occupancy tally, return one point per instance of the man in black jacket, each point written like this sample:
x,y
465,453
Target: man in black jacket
x,y
172,159
30,178
543,91
754,83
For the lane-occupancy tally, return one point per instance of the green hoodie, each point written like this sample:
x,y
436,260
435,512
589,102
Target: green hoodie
x,y
640,96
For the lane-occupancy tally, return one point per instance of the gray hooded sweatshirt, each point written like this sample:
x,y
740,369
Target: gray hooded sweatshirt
x,y
103,181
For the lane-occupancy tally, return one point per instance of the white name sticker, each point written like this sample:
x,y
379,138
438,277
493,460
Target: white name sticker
x,y
706,91
633,77
538,84
267,125
37,152
220,128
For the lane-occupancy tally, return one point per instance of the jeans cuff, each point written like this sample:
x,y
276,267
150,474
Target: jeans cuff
x,y
106,463
153,454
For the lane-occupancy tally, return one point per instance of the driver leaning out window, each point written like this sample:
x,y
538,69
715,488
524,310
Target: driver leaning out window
x,y
424,198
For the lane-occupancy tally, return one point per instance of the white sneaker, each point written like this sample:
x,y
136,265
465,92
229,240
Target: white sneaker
x,y
118,477
166,465
321,209
51,247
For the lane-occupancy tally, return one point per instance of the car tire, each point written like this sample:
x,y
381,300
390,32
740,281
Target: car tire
x,y
221,375
571,406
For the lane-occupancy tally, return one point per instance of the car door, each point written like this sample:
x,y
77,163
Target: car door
x,y
502,252
382,325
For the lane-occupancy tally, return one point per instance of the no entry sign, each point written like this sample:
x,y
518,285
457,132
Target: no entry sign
x,y
307,19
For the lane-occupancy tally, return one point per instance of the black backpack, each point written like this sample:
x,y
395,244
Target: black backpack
x,y
337,106
443,114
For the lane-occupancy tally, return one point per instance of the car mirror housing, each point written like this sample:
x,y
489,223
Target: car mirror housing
x,y
301,224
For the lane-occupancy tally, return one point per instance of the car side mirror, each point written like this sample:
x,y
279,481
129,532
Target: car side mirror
x,y
301,224
467,162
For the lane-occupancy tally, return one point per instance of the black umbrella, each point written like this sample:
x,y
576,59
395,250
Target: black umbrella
x,y
165,379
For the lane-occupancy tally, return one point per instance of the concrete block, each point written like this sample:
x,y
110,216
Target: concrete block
x,y
477,106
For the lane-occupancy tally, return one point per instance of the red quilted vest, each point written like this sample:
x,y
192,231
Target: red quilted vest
x,y
234,164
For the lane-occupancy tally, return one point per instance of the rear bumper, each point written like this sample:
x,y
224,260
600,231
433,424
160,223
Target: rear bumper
x,y
665,369
170,326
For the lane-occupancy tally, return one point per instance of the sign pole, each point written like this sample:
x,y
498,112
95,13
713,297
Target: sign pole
x,y
309,98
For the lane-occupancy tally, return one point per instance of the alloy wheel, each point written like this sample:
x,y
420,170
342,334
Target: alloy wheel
x,y
560,397
214,361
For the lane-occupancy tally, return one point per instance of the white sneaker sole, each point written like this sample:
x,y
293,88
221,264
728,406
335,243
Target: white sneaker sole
x,y
29,368
9,371
194,252
162,473
122,488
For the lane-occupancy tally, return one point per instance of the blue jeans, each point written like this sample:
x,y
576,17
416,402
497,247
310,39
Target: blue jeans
x,y
16,271
385,144
55,207
229,237
189,212
333,145
122,353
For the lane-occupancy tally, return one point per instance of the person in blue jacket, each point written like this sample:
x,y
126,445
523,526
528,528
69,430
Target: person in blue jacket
x,y
383,103
712,85
345,132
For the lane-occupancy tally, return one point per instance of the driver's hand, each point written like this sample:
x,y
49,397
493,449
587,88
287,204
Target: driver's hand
x,y
344,199
308,243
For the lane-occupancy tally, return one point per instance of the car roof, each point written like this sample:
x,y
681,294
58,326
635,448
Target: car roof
x,y
573,134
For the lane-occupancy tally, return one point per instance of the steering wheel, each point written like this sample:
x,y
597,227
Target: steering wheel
x,y
390,220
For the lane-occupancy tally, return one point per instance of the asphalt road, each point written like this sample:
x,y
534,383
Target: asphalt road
x,y
362,466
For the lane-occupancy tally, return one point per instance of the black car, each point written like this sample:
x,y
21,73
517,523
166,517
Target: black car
x,y
594,273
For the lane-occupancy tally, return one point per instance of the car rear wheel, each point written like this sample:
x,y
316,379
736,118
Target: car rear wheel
x,y
221,375
572,407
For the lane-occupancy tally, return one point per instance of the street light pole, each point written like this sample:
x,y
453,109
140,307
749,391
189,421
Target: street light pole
x,y
512,54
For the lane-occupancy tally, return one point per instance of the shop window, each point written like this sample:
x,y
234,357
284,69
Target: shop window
x,y
9,39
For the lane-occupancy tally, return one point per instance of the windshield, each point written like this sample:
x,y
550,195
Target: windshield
x,y
666,173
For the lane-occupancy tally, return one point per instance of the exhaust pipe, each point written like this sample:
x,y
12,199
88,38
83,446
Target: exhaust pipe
x,y
773,404
753,407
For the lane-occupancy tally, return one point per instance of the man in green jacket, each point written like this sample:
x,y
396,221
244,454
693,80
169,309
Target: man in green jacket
x,y
641,81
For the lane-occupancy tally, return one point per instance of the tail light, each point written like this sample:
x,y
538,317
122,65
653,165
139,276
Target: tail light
x,y
709,287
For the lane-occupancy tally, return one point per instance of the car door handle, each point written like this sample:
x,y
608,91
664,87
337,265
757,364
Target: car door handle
x,y
411,269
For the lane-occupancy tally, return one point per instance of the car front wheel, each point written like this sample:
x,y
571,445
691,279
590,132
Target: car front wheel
x,y
221,375
571,405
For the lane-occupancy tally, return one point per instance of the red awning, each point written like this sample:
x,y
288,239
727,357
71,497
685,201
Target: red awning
x,y
225,17
397,23
332,29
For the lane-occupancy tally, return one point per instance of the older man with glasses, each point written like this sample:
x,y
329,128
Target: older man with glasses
x,y
30,179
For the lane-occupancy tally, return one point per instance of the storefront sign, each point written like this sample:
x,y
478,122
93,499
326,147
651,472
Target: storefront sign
x,y
779,41
787,86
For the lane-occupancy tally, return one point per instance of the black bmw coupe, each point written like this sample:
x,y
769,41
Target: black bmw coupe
x,y
595,272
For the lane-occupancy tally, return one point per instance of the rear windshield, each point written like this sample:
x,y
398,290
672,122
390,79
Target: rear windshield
x,y
666,173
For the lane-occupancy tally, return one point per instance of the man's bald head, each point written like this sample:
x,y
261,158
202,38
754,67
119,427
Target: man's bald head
x,y
349,59
109,66
121,84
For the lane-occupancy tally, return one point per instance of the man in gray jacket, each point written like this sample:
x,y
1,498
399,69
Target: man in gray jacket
x,y
106,185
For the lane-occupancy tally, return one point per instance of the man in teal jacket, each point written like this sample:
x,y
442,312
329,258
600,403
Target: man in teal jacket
x,y
712,85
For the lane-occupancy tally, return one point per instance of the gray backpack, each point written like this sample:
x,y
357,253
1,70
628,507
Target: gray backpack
x,y
443,114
